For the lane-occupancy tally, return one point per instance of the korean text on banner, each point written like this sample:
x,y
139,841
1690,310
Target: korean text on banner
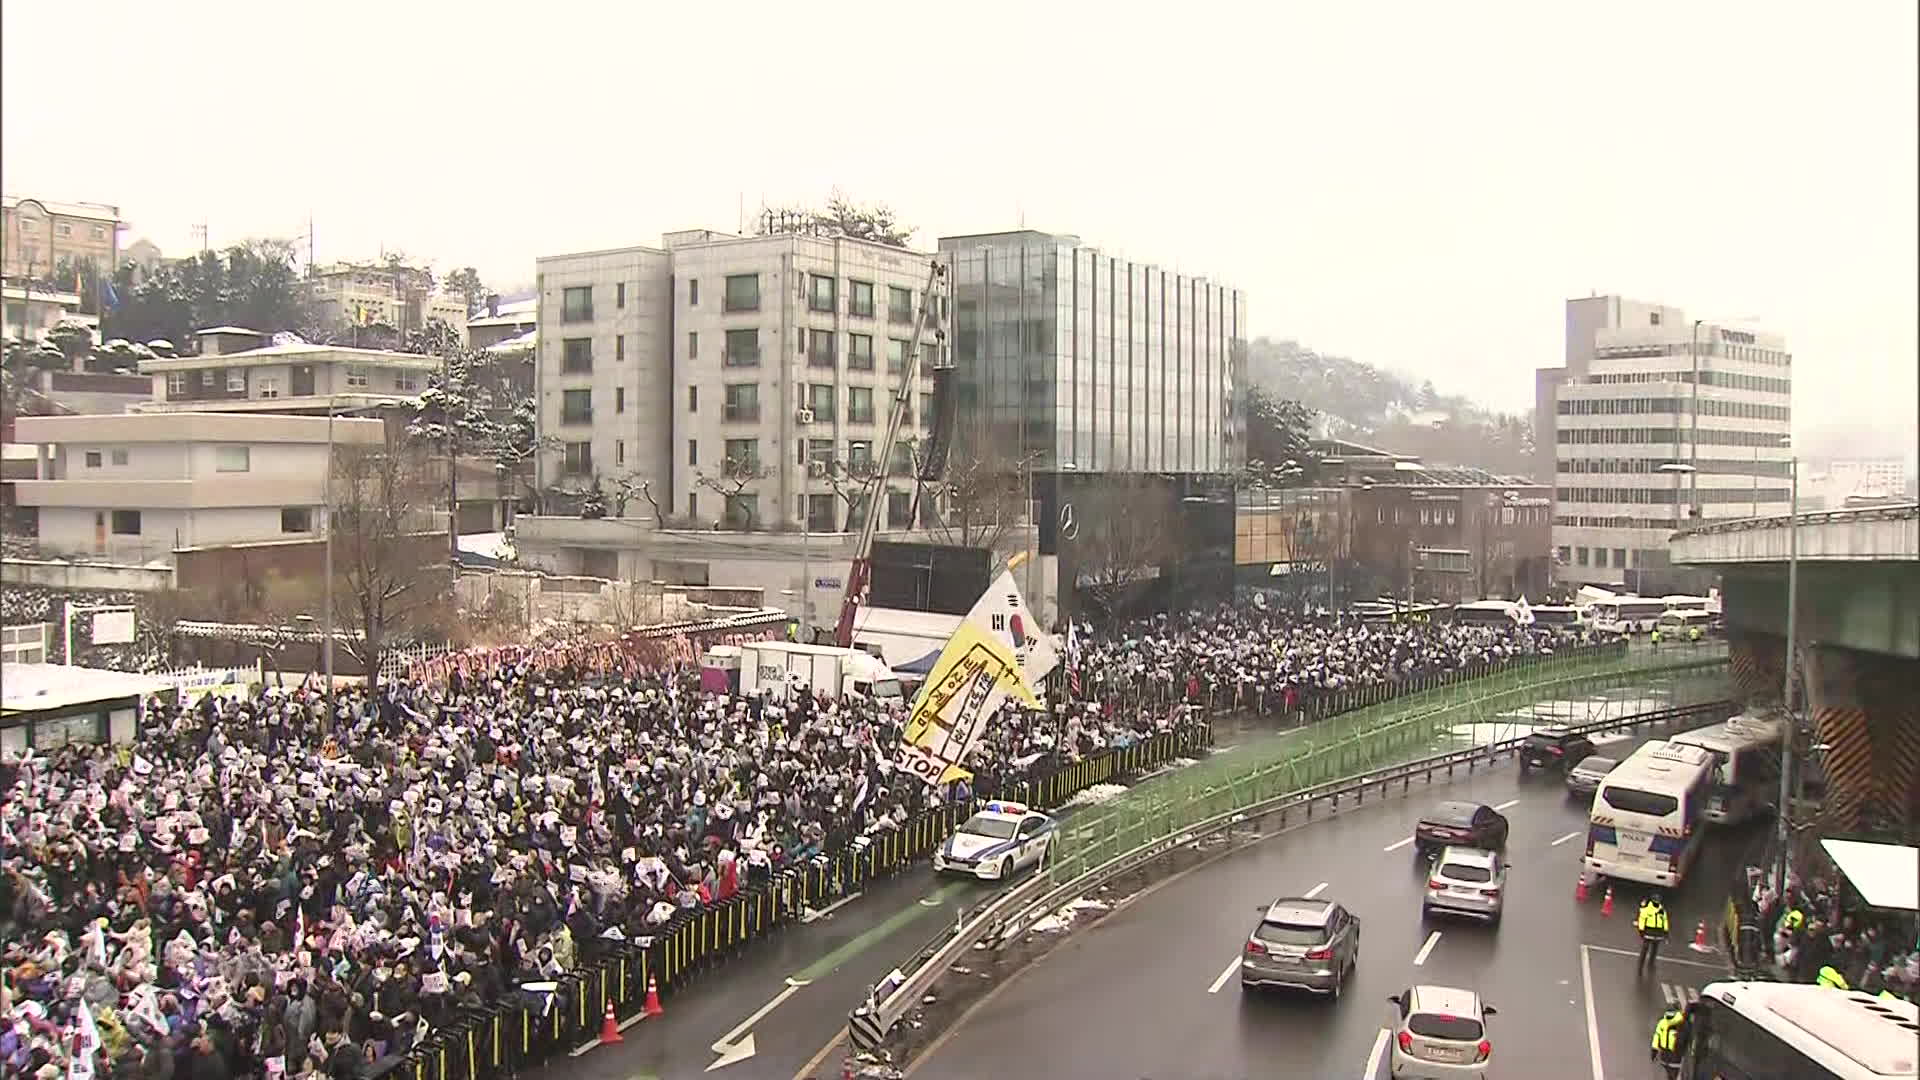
x,y
1001,612
976,672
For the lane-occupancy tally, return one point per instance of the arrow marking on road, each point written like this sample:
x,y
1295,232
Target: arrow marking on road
x,y
1379,1051
1509,802
1397,846
1232,966
735,1046
1316,890
1420,958
1564,839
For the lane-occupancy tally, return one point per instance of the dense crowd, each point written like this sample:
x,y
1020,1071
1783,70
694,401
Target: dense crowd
x,y
253,887
1820,928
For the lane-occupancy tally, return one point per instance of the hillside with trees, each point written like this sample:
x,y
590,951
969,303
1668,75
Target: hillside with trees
x,y
1357,401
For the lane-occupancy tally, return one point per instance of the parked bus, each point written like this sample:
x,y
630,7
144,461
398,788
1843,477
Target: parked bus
x,y
1682,602
1627,614
1487,613
1680,623
1646,822
1564,618
1800,1030
1746,766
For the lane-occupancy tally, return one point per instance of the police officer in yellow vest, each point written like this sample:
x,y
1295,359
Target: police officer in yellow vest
x,y
1669,1040
1831,978
1655,638
1652,924
1693,635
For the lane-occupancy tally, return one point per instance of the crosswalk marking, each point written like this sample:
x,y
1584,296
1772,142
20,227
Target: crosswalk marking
x,y
1679,996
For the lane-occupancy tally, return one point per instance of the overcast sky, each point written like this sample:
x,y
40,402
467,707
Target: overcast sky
x,y
1417,185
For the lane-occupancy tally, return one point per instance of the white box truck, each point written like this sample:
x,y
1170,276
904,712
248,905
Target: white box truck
x,y
779,667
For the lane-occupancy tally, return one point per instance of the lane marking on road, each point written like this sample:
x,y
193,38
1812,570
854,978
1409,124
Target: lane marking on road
x,y
1420,957
1316,890
1397,846
1593,1025
1379,1052
1509,802
1232,966
1663,959
1564,839
811,914
1677,995
874,935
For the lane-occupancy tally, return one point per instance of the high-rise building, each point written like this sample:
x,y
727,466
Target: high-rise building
x,y
746,379
1655,421
1072,359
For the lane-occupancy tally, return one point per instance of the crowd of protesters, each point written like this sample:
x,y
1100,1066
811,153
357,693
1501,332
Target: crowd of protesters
x,y
254,887
1822,933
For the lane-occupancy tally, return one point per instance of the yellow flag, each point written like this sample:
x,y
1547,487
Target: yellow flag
x,y
976,672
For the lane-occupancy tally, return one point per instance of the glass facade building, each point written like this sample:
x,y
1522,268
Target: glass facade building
x,y
1076,360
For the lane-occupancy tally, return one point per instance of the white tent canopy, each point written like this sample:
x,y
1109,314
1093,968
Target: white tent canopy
x,y
1885,875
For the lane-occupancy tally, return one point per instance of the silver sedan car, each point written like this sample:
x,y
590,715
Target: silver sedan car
x,y
1467,881
1302,945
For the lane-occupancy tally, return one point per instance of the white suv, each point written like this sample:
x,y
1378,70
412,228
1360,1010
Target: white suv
x,y
1440,1033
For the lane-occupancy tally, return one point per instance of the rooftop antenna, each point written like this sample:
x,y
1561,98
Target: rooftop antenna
x,y
200,230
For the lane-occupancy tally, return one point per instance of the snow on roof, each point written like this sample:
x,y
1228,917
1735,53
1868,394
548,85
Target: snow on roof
x,y
229,330
493,545
39,687
528,340
91,211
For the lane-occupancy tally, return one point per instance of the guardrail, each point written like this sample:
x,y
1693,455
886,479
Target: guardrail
x,y
1013,911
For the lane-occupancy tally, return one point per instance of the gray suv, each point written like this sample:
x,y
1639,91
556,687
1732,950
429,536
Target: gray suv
x,y
1302,944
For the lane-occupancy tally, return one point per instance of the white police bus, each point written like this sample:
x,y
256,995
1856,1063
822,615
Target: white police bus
x,y
1799,1031
1646,822
1627,614
1746,766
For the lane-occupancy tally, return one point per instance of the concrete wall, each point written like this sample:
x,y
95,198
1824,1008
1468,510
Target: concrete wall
x,y
96,576
568,599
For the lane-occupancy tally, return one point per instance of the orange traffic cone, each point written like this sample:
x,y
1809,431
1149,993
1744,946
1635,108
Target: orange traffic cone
x,y
1606,902
652,1007
610,1028
1700,938
1580,889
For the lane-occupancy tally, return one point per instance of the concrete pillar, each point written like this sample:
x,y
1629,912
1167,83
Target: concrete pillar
x,y
1864,711
1756,661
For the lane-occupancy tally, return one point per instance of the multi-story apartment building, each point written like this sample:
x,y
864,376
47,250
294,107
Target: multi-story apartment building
x,y
36,235
1083,361
748,379
1640,446
135,487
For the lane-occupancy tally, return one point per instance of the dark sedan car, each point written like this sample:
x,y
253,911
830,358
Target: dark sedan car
x,y
1553,748
1463,823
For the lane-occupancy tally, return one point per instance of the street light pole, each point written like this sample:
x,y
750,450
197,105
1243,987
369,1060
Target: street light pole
x,y
326,584
1784,832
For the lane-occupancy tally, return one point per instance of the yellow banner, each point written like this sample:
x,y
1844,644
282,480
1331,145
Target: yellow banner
x,y
976,672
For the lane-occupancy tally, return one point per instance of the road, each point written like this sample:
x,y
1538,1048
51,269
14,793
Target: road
x,y
1152,992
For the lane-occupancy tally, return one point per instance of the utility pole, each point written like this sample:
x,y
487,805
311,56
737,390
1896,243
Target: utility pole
x,y
326,602
1784,834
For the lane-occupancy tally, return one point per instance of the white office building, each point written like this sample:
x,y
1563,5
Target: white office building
x,y
744,379
1639,447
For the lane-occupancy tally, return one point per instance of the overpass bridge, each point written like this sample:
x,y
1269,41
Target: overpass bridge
x,y
1857,641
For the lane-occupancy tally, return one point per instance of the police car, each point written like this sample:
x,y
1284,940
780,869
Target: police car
x,y
992,844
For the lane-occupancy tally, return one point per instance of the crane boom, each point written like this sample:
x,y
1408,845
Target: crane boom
x,y
861,571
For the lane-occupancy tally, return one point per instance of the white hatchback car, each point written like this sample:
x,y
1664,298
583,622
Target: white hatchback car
x,y
992,844
1440,1033
1467,881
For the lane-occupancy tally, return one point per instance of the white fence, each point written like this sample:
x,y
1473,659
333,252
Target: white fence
x,y
395,662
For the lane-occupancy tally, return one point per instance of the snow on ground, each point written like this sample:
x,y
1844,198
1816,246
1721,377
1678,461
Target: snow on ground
x,y
1063,918
1183,762
1097,794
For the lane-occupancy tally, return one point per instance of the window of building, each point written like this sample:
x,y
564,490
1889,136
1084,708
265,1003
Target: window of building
x,y
693,292
693,451
693,399
1580,556
619,347
236,381
1620,556
860,298
126,523
926,410
818,454
620,294
860,457
859,404
896,356
99,232
94,459
1564,553
576,406
356,377
119,455
269,386
693,504
296,519
232,458
406,382
207,377
577,459
742,403
820,513
820,348
576,356
619,452
899,304
820,292
743,293
742,349
899,510
902,463
859,352
619,399
576,304
63,229
742,457
820,400
693,345
176,383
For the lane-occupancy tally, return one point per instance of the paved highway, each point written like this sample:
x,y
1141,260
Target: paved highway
x,y
1152,991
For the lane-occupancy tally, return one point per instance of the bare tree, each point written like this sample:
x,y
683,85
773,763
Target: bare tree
x,y
630,485
735,477
1125,532
979,497
389,578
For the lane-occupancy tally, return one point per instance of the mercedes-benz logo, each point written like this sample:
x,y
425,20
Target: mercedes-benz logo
x,y
1069,528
